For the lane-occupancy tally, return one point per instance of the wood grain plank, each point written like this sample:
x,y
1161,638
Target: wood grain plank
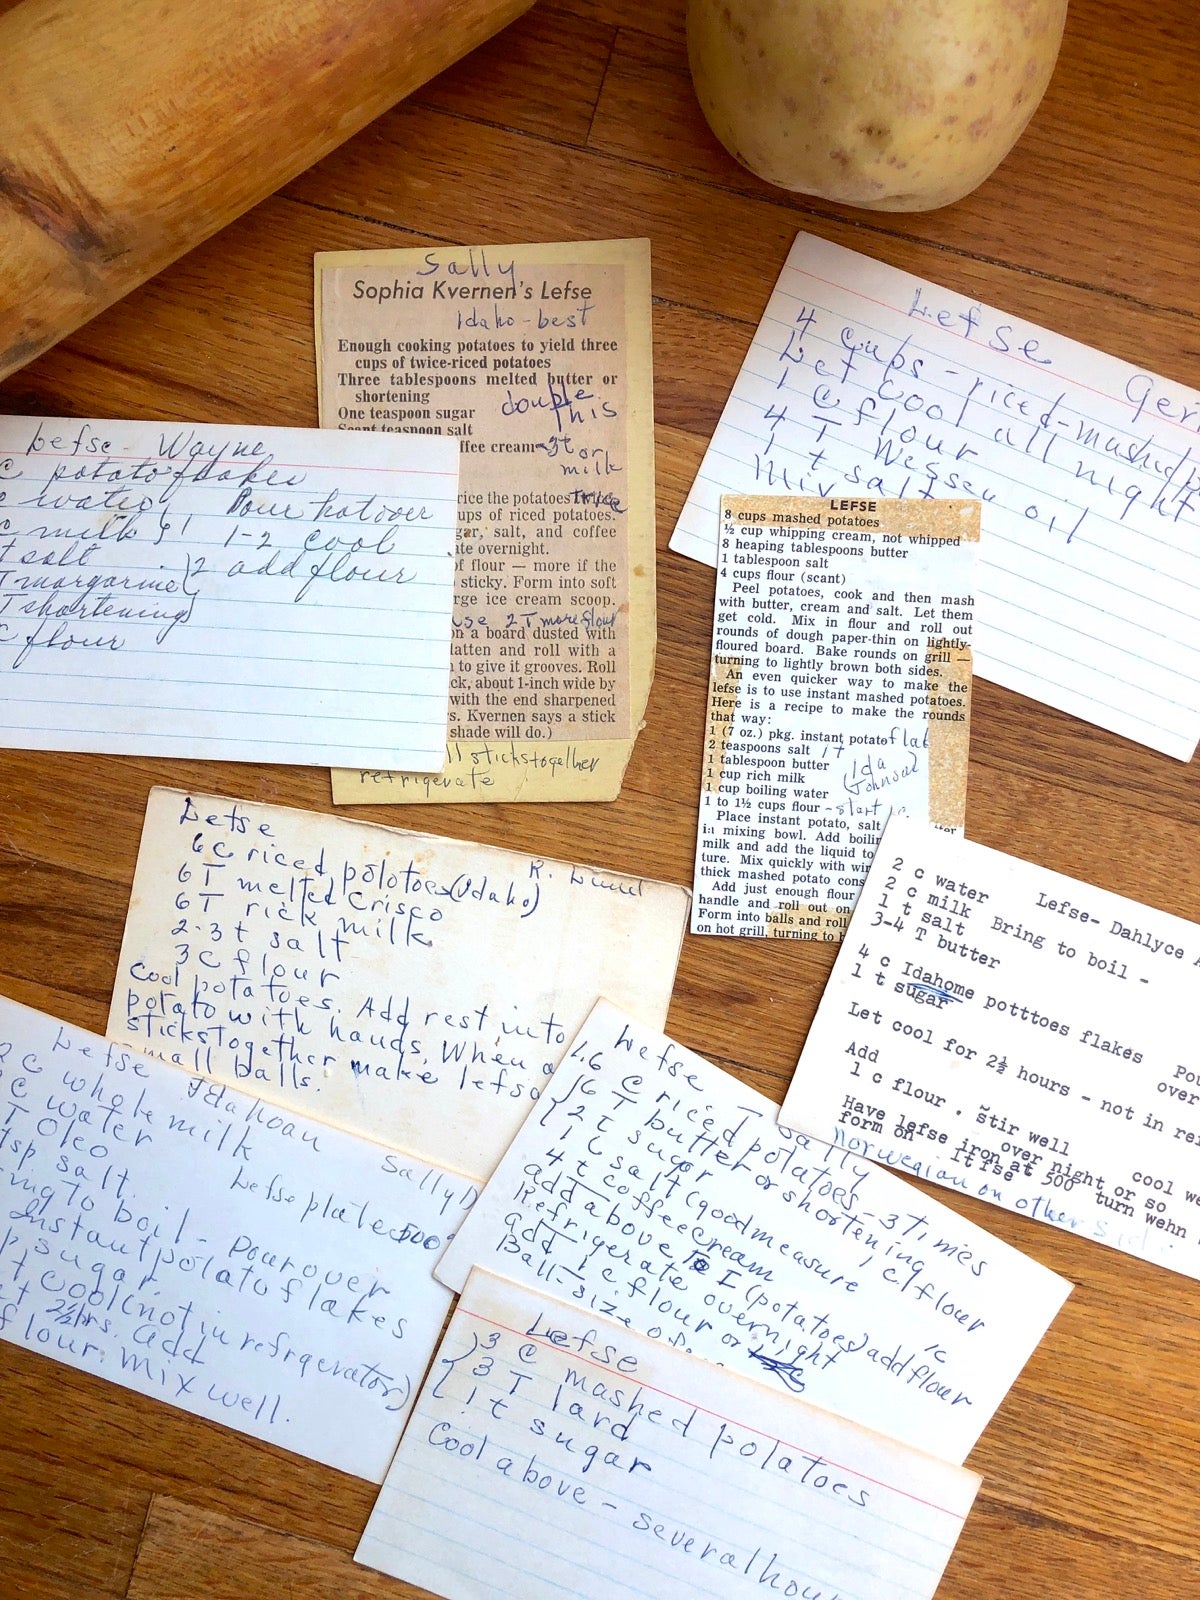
x,y
1015,734
664,21
542,75
191,1553
214,312
1143,854
66,1530
58,922
1005,1551
90,1454
1120,1479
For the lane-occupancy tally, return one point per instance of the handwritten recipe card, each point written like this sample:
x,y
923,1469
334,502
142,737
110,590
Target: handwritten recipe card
x,y
537,358
242,594
649,1186
1017,1035
863,380
554,1452
404,986
839,690
192,1243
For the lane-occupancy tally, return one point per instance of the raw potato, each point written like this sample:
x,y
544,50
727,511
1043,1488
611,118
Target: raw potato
x,y
894,105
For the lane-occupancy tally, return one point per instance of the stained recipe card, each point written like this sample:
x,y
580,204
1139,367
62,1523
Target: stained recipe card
x,y
652,1187
189,1242
1017,1035
404,986
839,692
866,381
537,358
232,593
555,1452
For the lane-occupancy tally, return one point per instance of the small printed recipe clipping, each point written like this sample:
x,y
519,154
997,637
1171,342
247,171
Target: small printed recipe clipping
x,y
536,358
839,692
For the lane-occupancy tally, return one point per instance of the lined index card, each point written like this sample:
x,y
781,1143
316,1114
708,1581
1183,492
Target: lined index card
x,y
866,381
651,1187
555,1453
225,592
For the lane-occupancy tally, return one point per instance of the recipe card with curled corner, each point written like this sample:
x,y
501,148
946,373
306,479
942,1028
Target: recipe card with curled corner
x,y
537,359
839,691
400,985
1016,1035
553,1451
865,380
225,592
652,1187
192,1243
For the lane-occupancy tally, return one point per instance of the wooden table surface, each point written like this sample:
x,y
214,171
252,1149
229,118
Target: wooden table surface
x,y
579,122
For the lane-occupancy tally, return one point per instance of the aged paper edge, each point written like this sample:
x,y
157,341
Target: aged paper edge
x,y
949,742
358,786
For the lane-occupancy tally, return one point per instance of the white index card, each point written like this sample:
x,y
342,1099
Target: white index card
x,y
652,1187
227,592
553,1452
192,1243
864,380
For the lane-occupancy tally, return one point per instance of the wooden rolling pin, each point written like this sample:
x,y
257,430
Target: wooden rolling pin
x,y
130,130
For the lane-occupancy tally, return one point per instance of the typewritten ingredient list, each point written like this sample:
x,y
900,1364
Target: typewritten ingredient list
x,y
1017,1035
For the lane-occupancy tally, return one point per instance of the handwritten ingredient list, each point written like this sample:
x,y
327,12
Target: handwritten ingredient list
x,y
537,358
554,1452
863,380
245,594
839,691
403,986
1016,1035
197,1245
651,1187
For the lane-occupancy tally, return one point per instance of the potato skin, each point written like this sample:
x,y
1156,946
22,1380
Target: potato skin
x,y
892,105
